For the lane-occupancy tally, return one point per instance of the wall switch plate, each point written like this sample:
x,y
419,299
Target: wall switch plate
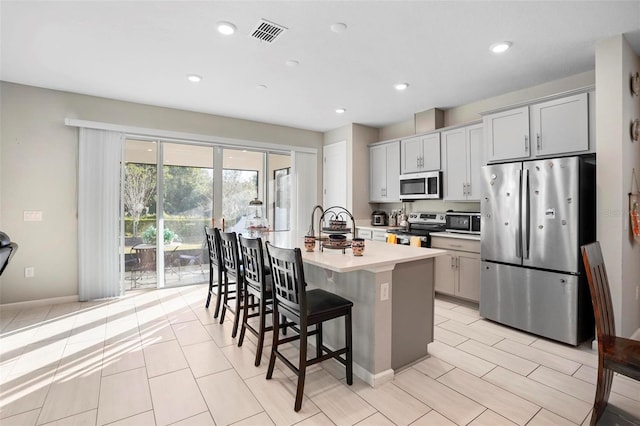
x,y
384,291
29,272
32,216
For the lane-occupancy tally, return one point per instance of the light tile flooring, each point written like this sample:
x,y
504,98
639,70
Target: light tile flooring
x,y
157,358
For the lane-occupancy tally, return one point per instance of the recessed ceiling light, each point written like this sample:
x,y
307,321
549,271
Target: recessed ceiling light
x,y
340,111
226,28
292,63
401,86
501,47
194,78
338,27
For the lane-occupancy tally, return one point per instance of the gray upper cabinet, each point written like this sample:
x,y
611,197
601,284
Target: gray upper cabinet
x,y
507,134
555,127
462,157
420,153
561,126
384,172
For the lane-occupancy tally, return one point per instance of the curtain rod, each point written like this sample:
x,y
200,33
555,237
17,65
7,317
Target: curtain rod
x,y
183,136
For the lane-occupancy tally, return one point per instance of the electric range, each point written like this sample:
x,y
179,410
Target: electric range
x,y
421,224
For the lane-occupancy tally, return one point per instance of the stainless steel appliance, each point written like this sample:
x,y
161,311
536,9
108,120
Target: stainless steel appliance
x,y
421,186
463,222
535,217
421,224
379,218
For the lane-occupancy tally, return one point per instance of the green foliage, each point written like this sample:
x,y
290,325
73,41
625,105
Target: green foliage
x,y
149,235
188,189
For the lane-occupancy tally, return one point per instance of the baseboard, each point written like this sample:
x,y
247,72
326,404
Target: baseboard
x,y
40,302
373,380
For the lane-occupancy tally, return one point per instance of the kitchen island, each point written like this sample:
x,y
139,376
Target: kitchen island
x,y
392,290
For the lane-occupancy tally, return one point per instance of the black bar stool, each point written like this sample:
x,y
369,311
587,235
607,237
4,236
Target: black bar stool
x,y
215,264
230,259
305,308
257,283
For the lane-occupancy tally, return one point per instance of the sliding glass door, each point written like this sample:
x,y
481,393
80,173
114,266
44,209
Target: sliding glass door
x,y
167,207
187,206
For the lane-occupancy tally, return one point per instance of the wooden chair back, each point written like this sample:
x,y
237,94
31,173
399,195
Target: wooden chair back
x,y
230,255
287,275
254,270
599,288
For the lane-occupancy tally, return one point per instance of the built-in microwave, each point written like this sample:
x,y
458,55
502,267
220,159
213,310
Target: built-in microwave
x,y
468,223
421,186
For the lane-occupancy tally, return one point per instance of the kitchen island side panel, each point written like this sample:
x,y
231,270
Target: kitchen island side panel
x,y
371,318
387,334
412,304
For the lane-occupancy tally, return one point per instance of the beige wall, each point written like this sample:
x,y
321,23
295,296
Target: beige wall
x,y
617,155
358,138
38,155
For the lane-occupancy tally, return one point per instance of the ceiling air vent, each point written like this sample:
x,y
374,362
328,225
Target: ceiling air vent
x,y
267,31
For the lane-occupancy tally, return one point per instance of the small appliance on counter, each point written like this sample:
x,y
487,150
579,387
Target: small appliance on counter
x,y
379,218
463,222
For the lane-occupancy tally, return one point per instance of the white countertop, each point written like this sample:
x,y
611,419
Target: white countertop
x,y
376,228
474,237
377,256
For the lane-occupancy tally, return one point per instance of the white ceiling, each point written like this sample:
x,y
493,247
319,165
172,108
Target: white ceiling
x,y
141,51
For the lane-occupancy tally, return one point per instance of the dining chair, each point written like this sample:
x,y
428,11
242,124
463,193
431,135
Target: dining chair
x,y
615,353
192,259
292,301
256,283
230,258
7,250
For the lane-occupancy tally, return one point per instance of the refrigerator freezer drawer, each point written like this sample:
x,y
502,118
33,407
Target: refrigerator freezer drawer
x,y
548,304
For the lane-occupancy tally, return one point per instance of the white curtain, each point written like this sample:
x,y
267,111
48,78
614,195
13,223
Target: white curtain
x,y
304,190
99,264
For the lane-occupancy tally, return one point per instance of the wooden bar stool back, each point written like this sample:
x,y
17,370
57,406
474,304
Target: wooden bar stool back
x,y
615,354
212,236
257,283
304,308
233,268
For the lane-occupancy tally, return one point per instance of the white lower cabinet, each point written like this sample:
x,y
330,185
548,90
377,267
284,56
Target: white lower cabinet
x,y
372,234
458,272
364,233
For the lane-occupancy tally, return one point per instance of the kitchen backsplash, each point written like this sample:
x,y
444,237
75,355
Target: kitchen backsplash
x,y
428,206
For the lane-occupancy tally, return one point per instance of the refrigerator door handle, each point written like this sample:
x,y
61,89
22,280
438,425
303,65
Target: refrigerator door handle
x,y
527,216
518,223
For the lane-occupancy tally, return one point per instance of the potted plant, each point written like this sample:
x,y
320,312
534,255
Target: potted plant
x,y
149,235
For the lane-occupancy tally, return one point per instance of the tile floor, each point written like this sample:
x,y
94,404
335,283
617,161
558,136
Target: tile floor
x,y
157,357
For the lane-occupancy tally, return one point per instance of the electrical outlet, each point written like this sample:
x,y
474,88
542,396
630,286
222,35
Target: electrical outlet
x,y
29,272
384,291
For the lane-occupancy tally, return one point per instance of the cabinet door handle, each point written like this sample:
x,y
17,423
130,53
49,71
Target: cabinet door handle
x,y
453,262
455,245
538,142
526,143
469,188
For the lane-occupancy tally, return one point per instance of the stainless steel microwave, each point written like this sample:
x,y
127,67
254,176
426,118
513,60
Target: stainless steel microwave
x,y
421,186
468,223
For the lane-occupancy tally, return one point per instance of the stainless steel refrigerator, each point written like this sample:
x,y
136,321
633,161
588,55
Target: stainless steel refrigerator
x,y
535,216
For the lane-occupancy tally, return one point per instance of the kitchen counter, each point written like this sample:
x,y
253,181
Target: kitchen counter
x,y
391,287
377,256
376,228
474,237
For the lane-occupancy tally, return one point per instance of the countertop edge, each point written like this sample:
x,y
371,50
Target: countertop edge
x,y
472,237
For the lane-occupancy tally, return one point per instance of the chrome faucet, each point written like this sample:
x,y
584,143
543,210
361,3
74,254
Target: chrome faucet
x,y
311,228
